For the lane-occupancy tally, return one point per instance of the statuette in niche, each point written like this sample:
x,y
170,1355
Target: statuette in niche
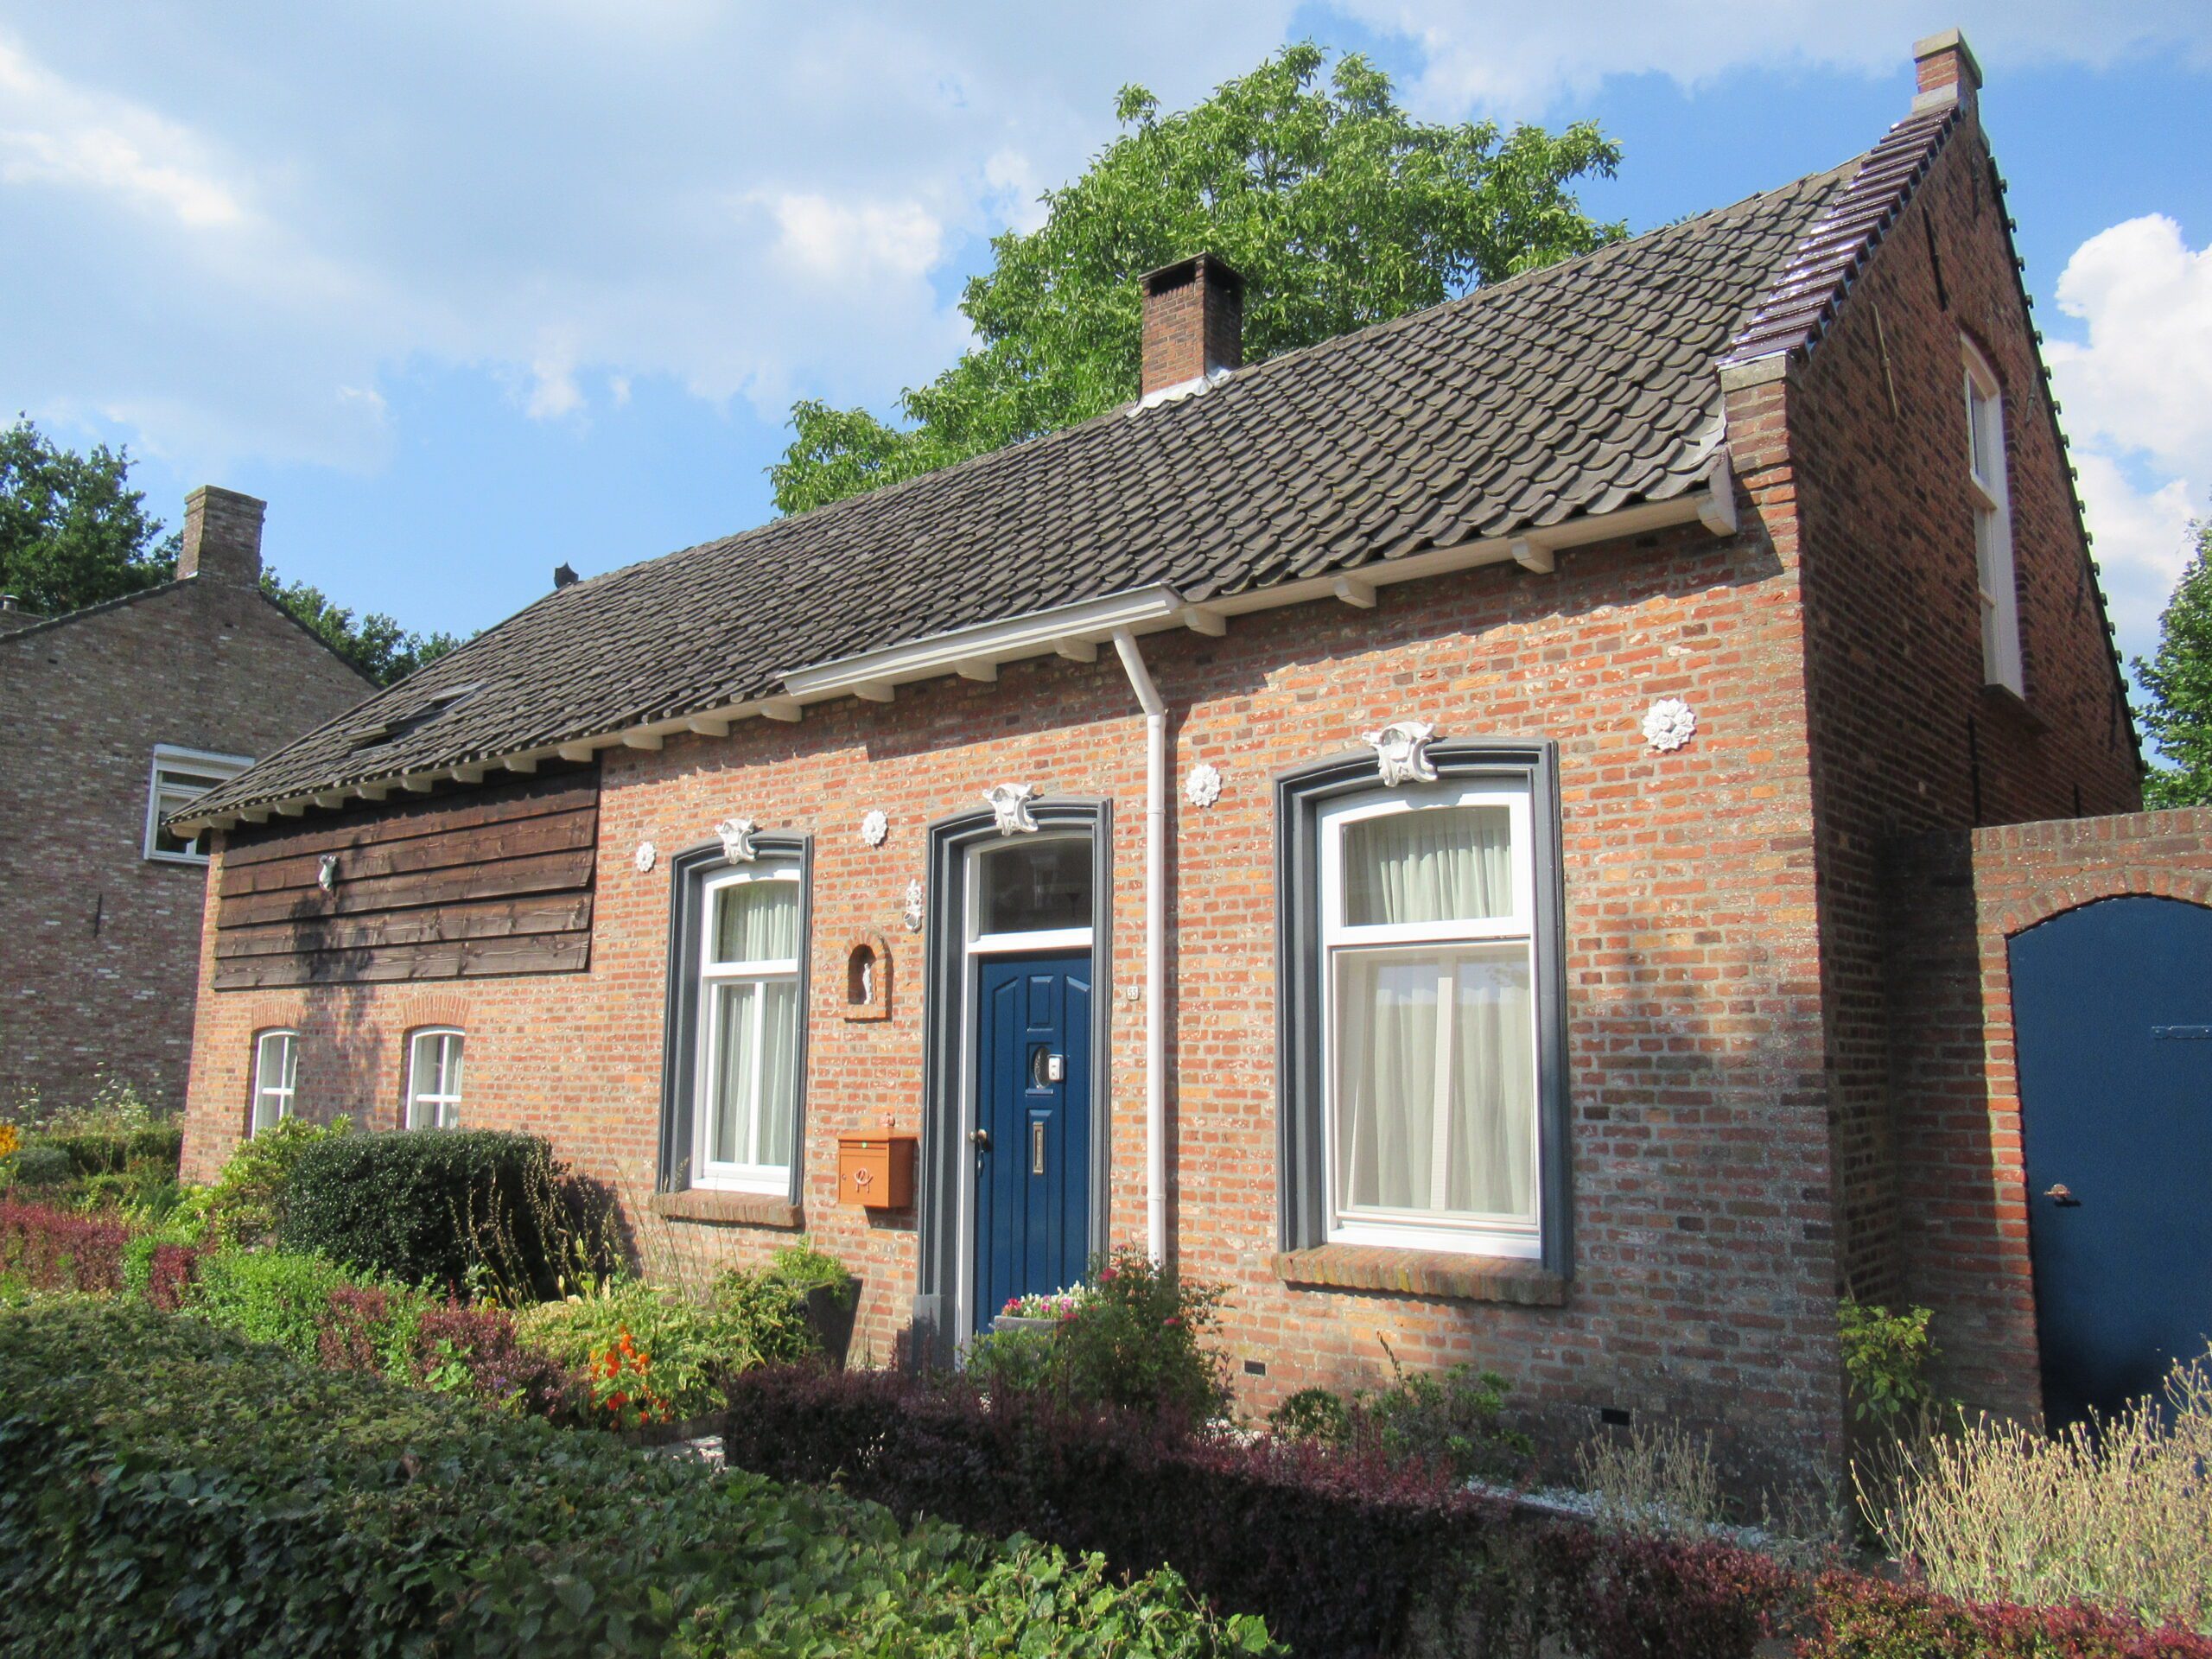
x,y
737,839
1010,805
874,827
1203,786
1669,724
1402,751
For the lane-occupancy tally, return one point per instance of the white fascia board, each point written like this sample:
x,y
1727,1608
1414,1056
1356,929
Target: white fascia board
x,y
1039,633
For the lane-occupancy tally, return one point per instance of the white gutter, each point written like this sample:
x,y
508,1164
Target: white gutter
x,y
1156,943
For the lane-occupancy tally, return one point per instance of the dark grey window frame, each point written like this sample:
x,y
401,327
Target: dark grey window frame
x,y
688,872
1301,1094
946,1007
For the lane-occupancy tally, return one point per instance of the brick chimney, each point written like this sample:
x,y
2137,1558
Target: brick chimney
x,y
222,537
1948,72
1193,321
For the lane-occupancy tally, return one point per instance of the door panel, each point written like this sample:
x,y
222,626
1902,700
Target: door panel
x,y
2111,1010
1033,1175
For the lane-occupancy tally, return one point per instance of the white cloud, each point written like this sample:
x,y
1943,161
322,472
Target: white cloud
x,y
250,224
2136,400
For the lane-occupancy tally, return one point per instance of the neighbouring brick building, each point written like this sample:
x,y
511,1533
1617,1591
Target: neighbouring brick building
x,y
1400,828
110,717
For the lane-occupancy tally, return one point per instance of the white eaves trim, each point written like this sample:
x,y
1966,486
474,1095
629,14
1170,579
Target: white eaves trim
x,y
1071,631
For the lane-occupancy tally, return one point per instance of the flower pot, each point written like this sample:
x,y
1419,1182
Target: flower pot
x,y
832,1309
1015,1322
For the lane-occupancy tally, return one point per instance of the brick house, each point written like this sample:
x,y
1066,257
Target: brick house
x,y
111,718
1400,828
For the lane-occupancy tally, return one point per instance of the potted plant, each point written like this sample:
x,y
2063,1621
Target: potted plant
x,y
1041,1311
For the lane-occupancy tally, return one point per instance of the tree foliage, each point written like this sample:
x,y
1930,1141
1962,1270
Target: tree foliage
x,y
74,533
2179,681
1339,208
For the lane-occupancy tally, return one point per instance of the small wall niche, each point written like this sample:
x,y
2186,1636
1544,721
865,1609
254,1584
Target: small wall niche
x,y
867,977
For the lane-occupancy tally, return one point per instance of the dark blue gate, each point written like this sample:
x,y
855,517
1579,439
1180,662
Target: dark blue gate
x,y
2112,1011
1033,1114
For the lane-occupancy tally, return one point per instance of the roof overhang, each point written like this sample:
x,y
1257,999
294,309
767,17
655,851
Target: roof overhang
x,y
1069,631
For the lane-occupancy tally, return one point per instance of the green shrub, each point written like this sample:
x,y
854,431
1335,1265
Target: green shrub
x,y
1138,1341
41,1166
280,1297
1885,1359
1452,1419
419,1206
113,1151
247,1205
164,1489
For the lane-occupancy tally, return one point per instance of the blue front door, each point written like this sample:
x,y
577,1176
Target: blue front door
x,y
2112,1016
1032,1116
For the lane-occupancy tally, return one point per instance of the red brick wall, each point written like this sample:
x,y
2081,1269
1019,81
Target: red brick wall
x,y
98,943
1904,736
1703,1269
1958,899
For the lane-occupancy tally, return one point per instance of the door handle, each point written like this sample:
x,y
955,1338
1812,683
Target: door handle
x,y
982,1138
2058,1194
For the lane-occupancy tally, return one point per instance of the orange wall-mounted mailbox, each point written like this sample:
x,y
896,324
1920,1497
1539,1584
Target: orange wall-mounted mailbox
x,y
876,1172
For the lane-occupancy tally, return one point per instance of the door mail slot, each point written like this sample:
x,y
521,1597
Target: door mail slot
x,y
876,1172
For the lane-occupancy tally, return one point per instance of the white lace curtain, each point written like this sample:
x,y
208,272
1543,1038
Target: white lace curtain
x,y
756,1021
1435,1062
757,921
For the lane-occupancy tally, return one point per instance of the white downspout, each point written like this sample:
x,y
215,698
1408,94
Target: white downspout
x,y
1155,940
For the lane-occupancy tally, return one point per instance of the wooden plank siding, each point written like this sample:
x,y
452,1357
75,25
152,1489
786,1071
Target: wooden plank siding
x,y
498,880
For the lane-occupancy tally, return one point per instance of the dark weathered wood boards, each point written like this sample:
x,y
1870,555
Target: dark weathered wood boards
x,y
495,881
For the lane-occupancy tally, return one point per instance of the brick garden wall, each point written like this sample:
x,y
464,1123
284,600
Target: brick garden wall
x,y
1905,737
1957,900
98,943
1703,1272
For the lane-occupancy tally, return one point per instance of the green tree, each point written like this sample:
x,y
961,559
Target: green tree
x,y
377,645
72,531
2179,681
1339,209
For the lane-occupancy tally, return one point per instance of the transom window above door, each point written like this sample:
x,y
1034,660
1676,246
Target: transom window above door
x,y
1030,893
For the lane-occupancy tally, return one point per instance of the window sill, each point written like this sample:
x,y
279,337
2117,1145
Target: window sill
x,y
728,1208
1421,1272
2012,706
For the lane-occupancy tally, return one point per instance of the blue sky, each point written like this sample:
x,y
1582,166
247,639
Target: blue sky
x,y
466,292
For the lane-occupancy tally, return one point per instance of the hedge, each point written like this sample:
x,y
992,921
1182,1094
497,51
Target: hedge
x,y
166,1488
110,1152
422,1206
56,1249
1351,1553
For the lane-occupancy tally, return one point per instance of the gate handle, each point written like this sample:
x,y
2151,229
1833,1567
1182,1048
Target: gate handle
x,y
2058,1194
982,1138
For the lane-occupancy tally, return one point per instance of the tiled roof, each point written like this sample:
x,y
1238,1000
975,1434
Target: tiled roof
x,y
1573,391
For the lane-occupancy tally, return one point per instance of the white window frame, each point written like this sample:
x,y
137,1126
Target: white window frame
x,y
1996,578
281,1089
444,1109
740,1176
979,943
199,763
1514,1236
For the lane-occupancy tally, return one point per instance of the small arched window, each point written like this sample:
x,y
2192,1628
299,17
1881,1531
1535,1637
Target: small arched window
x,y
275,1072
1992,524
434,1078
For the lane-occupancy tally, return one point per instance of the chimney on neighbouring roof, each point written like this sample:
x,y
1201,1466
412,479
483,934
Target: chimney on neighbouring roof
x,y
1949,73
222,537
1193,321
564,574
